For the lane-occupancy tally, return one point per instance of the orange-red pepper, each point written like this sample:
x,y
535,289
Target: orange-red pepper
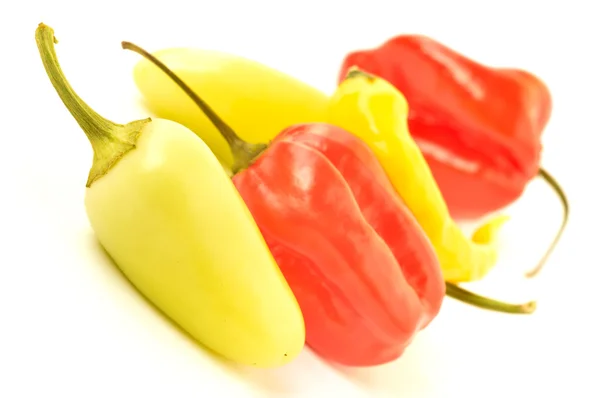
x,y
479,127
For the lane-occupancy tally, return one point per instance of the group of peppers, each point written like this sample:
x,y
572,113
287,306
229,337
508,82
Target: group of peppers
x,y
278,215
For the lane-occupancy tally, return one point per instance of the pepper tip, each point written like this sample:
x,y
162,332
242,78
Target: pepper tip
x,y
529,308
41,27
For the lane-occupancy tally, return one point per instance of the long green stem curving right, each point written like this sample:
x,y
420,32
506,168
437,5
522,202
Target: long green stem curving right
x,y
457,292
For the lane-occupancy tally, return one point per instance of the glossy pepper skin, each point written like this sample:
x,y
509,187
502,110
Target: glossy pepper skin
x,y
168,215
376,112
364,273
479,127
257,100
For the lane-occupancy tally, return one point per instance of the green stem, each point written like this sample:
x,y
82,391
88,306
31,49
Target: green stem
x,y
244,153
466,296
355,71
109,140
565,204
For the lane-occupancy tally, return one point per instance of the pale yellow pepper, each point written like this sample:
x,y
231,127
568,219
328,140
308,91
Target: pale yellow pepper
x,y
256,100
166,212
377,112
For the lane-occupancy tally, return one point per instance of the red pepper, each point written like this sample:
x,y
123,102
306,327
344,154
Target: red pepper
x,y
365,275
478,127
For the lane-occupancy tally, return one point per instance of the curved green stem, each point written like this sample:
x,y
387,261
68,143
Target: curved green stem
x,y
468,297
244,153
109,140
566,209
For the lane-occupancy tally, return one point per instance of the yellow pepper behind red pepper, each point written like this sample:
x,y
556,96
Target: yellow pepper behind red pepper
x,y
256,100
375,111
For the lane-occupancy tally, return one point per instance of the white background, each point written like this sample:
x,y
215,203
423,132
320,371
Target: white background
x,y
71,326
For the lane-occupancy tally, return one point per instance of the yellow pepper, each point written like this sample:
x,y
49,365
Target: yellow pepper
x,y
164,209
375,111
257,101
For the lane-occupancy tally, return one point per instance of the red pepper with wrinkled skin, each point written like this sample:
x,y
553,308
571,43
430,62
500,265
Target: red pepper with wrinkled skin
x,y
365,275
478,127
